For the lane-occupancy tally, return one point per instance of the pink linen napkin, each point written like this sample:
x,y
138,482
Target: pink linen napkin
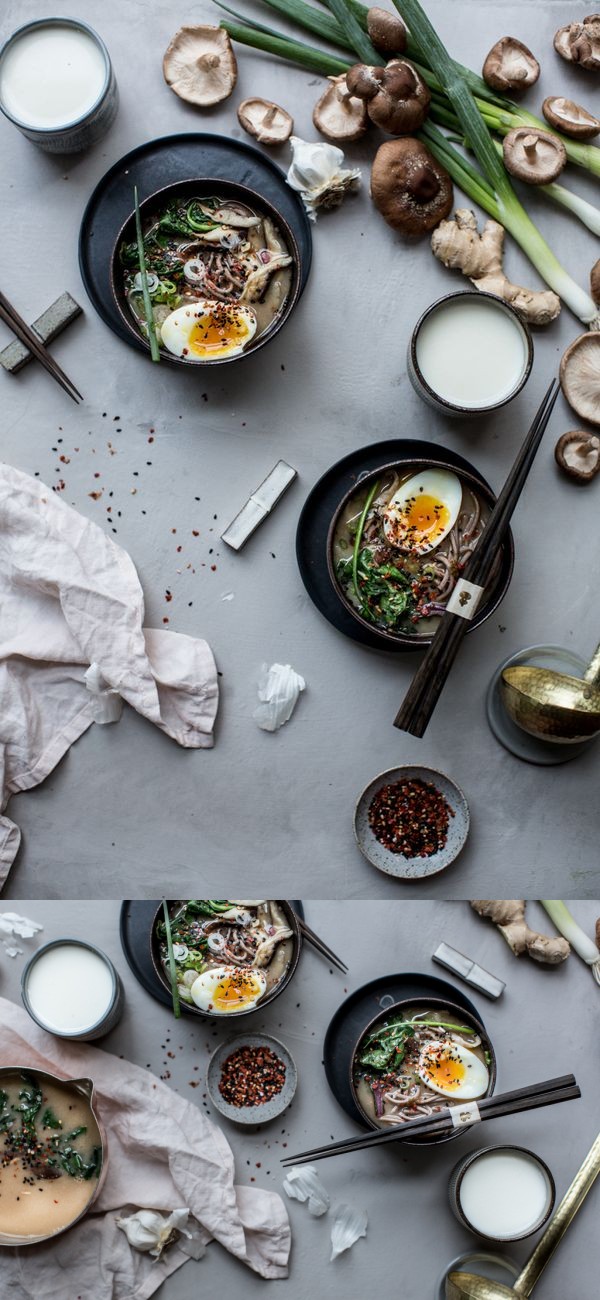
x,y
163,1153
73,645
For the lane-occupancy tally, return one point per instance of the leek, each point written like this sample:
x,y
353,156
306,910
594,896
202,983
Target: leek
x,y
512,214
566,925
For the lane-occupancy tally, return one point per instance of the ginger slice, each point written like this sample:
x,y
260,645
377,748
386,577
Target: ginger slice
x,y
459,245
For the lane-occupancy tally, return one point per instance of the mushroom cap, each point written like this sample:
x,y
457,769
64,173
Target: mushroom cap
x,y
401,104
200,66
595,282
338,114
510,65
534,156
569,117
363,80
578,454
267,122
387,32
579,42
580,376
410,189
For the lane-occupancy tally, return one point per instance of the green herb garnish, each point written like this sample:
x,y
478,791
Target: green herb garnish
x,y
359,532
151,327
172,964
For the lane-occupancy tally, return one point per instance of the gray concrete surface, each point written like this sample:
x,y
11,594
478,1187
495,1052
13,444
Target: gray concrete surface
x,y
544,1025
126,804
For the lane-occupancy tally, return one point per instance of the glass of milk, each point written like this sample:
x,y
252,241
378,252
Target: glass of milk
x,y
57,84
71,989
502,1193
469,353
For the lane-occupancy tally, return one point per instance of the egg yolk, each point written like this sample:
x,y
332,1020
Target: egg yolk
x,y
445,1070
234,991
216,334
424,518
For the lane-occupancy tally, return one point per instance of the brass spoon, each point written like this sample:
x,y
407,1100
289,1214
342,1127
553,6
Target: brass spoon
x,y
554,706
466,1286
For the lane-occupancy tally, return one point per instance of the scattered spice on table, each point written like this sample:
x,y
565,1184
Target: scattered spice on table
x,y
251,1076
411,818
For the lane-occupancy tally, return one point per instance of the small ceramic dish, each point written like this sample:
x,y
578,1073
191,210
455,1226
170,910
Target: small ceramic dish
x,y
498,1268
395,864
268,1110
410,1005
203,187
497,586
282,983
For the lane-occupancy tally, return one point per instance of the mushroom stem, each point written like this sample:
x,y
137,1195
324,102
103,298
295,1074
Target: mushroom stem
x,y
530,146
207,61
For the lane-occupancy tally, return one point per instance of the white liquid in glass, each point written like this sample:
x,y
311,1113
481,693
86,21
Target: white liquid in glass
x,y
472,353
504,1194
51,77
70,988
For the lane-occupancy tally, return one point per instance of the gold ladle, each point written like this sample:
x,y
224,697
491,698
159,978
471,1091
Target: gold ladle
x,y
466,1286
551,705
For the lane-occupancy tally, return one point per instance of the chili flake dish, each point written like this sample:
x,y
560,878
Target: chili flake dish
x,y
251,1079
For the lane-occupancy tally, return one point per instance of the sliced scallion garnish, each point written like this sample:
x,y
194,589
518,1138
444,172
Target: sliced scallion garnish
x,y
152,339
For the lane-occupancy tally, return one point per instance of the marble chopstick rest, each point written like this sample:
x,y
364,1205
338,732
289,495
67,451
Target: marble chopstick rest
x,y
469,971
260,504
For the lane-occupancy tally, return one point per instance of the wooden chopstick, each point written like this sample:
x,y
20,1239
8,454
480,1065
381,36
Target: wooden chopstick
x,y
531,1097
427,684
24,332
320,946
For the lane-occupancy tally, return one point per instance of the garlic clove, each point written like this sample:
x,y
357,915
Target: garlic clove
x,y
302,1183
349,1224
317,173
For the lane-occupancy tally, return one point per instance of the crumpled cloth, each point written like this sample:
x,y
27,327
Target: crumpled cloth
x,y
163,1153
72,645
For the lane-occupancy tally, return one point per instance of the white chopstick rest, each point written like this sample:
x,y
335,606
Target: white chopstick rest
x,y
468,1113
469,971
259,505
465,599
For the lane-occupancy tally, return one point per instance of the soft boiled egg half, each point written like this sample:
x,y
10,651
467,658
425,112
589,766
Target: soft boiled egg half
x,y
208,330
228,988
453,1070
423,510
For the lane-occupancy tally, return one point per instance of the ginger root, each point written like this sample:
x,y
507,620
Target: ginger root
x,y
509,915
458,244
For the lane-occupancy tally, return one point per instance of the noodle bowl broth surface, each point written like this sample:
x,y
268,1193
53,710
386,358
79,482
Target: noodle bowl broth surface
x,y
435,572
396,1092
34,1202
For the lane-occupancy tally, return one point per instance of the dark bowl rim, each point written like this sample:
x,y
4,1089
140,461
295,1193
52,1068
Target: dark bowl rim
x,y
233,1016
428,1001
453,407
404,638
280,320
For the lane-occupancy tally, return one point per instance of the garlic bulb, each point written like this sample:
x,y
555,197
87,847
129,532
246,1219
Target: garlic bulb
x,y
303,1184
151,1232
348,1225
318,173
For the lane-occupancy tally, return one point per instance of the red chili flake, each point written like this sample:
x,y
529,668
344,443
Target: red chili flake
x,y
168,595
165,620
411,818
251,1076
66,460
194,533
96,495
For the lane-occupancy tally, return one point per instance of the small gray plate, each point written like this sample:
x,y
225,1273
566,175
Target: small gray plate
x,y
547,753
395,864
269,1109
499,1268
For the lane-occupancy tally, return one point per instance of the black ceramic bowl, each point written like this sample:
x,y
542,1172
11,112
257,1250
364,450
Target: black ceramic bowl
x,y
500,582
190,1007
462,1016
204,187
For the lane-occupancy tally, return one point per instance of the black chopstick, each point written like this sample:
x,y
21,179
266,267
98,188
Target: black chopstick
x,y
320,946
548,1093
427,684
31,340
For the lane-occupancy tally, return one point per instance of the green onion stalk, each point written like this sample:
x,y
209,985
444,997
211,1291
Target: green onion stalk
x,y
489,186
151,327
580,941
